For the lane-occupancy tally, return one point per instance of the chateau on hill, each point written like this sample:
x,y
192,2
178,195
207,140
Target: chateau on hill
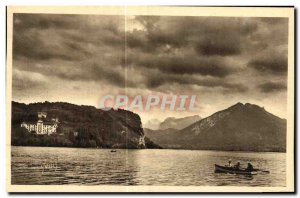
x,y
41,125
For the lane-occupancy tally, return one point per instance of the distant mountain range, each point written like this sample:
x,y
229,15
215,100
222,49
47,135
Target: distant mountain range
x,y
171,123
241,127
152,124
178,123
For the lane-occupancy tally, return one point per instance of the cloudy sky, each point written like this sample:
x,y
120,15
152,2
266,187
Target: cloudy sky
x,y
222,60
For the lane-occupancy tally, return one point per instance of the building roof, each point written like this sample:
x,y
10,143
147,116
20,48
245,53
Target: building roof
x,y
49,123
28,122
44,122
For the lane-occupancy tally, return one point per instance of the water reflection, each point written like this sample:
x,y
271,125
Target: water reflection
x,y
75,166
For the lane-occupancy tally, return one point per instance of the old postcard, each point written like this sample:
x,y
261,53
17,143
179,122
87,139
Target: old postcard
x,y
150,99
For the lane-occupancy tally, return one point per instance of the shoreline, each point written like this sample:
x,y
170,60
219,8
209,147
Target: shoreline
x,y
91,148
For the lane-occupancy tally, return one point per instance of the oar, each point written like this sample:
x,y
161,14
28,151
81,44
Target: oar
x,y
263,171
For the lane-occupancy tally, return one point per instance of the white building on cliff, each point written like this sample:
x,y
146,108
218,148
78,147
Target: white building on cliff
x,y
42,126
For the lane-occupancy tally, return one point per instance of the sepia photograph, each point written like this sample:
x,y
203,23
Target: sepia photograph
x,y
150,99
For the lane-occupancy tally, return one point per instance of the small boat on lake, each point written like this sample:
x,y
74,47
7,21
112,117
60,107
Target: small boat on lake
x,y
231,170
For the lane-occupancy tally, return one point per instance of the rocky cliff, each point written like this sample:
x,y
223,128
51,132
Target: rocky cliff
x,y
93,127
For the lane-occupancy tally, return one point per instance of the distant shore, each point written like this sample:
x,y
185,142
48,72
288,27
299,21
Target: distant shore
x,y
238,151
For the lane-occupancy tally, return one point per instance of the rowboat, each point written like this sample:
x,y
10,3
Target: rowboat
x,y
231,170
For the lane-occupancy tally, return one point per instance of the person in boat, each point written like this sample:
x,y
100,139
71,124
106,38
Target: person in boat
x,y
237,166
249,167
229,164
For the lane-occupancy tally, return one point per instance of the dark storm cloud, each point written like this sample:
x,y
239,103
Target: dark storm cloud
x,y
95,72
184,65
71,47
219,44
46,21
155,79
207,35
186,51
272,20
80,71
152,41
272,62
23,22
50,36
272,87
31,46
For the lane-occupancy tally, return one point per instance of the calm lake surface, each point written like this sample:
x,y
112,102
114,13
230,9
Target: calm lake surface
x,y
78,166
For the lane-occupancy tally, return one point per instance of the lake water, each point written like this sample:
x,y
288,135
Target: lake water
x,y
78,166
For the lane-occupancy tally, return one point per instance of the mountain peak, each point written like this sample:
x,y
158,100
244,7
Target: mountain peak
x,y
241,127
239,104
246,106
